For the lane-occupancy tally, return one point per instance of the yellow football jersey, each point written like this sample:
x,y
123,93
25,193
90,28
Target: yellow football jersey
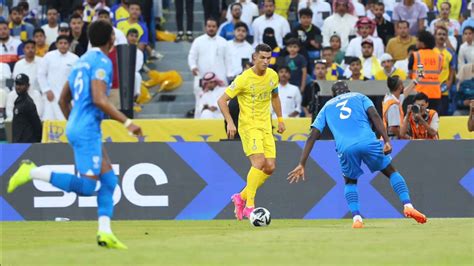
x,y
124,26
121,13
447,64
41,51
380,75
254,96
282,7
443,77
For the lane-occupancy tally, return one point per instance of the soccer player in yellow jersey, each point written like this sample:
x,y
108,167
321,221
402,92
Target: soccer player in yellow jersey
x,y
255,88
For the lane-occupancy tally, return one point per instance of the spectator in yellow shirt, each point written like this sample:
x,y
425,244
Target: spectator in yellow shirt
x,y
334,71
282,7
40,39
456,6
134,22
388,69
120,11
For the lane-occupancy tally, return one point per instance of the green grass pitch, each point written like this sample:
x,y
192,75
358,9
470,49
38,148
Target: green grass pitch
x,y
227,242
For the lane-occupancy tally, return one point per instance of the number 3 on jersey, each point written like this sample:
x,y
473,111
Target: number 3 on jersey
x,y
345,111
78,85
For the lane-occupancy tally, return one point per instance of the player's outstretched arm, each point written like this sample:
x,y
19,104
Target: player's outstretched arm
x,y
379,127
298,172
222,102
276,104
65,100
100,99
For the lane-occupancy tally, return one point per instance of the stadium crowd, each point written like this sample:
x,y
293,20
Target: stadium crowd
x,y
427,41
42,43
430,42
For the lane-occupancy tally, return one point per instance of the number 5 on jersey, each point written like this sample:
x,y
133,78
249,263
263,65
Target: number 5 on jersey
x,y
78,85
345,111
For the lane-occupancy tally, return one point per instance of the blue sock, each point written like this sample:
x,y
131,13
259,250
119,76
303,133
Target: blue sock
x,y
400,187
83,186
105,201
352,198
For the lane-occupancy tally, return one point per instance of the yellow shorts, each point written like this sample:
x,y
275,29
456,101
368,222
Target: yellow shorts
x,y
257,141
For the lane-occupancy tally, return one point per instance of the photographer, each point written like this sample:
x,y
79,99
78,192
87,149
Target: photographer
x,y
420,122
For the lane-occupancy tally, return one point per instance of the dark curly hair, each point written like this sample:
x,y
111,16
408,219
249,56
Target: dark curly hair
x,y
427,38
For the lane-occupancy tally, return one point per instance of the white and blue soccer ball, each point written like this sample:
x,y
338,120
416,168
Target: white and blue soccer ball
x,y
260,217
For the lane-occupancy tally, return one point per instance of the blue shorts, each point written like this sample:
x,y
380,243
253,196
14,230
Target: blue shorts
x,y
369,152
87,155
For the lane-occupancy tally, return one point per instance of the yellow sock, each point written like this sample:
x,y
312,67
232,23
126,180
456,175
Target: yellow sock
x,y
262,178
253,179
243,193
261,181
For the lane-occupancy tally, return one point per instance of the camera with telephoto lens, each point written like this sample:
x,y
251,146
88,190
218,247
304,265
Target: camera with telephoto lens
x,y
415,109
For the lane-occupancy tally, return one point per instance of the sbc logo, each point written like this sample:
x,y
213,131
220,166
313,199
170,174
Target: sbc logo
x,y
128,188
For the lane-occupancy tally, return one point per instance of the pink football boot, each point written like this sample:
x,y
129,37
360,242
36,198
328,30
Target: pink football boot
x,y
239,205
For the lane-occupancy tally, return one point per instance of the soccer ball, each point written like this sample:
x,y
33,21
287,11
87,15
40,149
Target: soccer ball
x,y
260,217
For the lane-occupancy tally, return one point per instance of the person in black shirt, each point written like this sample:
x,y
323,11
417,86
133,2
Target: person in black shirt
x,y
26,124
63,30
385,29
79,40
77,46
309,36
65,8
